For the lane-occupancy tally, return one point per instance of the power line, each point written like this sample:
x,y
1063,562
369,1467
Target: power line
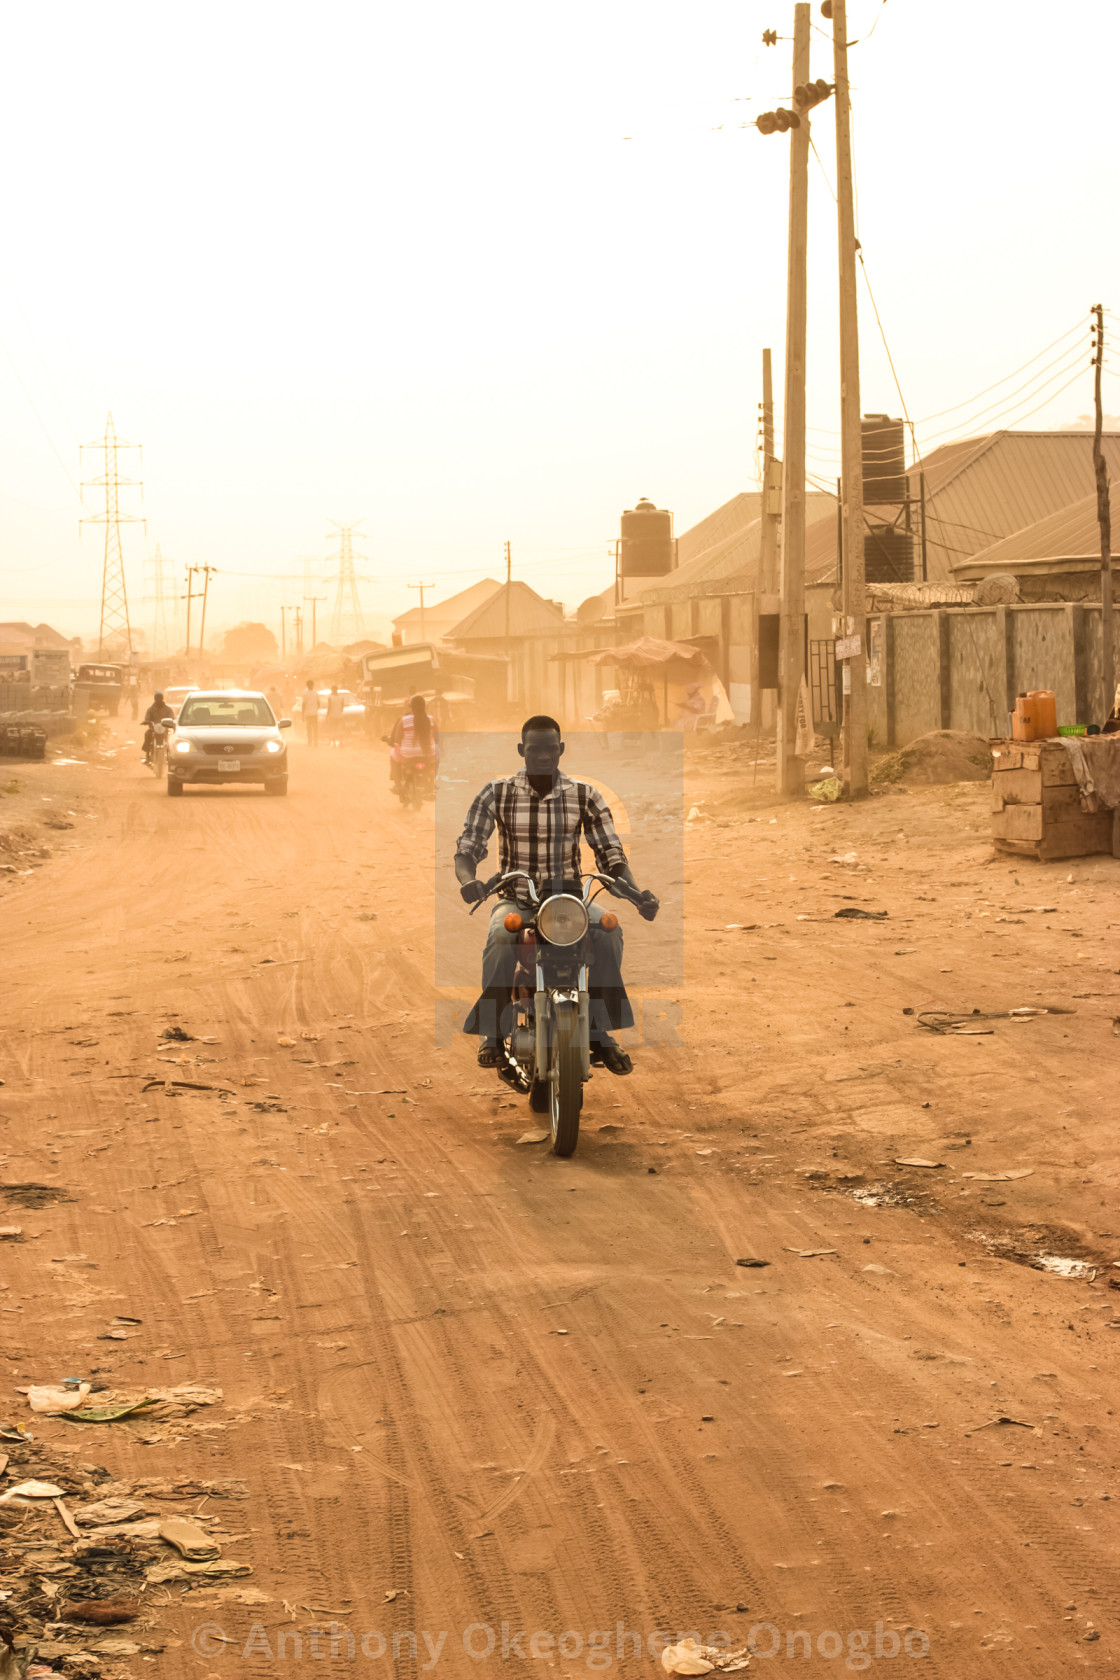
x,y
1008,376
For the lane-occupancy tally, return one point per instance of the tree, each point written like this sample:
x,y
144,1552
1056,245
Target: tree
x,y
248,644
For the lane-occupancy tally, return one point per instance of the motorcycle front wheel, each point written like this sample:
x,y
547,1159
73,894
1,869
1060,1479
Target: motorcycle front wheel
x,y
565,1079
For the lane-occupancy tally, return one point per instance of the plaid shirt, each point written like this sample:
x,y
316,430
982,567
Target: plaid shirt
x,y
540,833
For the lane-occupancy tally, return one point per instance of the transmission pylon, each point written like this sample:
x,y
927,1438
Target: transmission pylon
x,y
114,596
348,614
164,625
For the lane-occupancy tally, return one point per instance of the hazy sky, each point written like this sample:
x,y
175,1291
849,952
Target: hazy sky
x,y
481,272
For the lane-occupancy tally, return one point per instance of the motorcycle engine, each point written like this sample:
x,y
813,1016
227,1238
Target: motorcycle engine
x,y
523,1047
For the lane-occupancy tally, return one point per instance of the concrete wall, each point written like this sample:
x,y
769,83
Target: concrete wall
x,y
962,668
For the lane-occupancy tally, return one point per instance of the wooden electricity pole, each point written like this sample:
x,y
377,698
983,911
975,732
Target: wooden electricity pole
x,y
791,634
851,440
768,553
206,571
1104,519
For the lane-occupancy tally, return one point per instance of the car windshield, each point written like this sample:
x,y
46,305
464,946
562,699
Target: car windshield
x,y
217,711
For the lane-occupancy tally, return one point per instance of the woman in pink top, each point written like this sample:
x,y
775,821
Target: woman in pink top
x,y
414,736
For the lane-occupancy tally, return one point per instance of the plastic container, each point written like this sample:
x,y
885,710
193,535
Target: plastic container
x,y
1071,729
1044,712
1022,720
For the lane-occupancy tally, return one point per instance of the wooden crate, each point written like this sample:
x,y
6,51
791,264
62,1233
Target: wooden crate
x,y
1036,804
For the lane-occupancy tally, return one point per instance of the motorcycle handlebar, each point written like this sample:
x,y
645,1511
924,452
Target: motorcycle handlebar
x,y
618,889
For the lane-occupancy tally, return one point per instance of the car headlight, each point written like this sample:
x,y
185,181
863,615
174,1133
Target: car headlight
x,y
562,919
274,746
182,746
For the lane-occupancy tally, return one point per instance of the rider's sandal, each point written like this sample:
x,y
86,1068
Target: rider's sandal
x,y
489,1055
612,1057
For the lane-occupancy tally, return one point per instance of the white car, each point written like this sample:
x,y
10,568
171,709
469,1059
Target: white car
x,y
174,697
227,735
353,711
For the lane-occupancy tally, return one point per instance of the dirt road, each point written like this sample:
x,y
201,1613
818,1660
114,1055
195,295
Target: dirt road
x,y
469,1386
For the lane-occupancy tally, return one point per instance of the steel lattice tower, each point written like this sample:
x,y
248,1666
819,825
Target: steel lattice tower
x,y
162,631
114,595
347,604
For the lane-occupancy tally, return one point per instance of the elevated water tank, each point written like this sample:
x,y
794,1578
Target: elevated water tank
x,y
884,459
647,547
888,555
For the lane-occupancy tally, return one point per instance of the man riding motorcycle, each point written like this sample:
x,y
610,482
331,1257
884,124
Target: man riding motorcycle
x,y
158,712
541,816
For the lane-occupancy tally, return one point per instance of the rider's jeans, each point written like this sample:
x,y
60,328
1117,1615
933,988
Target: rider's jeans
x,y
610,1007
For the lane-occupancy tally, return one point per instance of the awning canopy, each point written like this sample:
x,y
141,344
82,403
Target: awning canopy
x,y
646,651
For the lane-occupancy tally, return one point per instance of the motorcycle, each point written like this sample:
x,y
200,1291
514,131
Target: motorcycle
x,y
157,758
416,781
547,1054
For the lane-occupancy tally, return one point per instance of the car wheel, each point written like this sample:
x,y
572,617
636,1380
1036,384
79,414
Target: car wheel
x,y
278,785
174,788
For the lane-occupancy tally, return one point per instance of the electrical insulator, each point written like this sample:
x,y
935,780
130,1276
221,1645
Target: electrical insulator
x,y
767,123
826,8
808,94
769,37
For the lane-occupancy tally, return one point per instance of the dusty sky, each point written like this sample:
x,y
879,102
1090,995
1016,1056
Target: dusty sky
x,y
481,272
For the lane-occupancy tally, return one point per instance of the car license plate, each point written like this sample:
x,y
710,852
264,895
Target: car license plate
x,y
229,764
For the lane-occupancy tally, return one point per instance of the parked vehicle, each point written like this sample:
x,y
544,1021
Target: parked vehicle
x,y
548,1051
353,711
176,696
227,735
97,688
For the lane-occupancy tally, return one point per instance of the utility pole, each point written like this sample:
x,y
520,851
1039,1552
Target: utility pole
x,y
509,582
421,587
284,611
768,557
791,632
299,632
191,595
313,602
1104,519
114,596
206,571
854,591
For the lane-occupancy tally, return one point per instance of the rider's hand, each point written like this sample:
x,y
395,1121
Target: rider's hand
x,y
647,906
472,891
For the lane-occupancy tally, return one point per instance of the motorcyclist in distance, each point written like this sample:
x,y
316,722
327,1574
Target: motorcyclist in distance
x,y
157,712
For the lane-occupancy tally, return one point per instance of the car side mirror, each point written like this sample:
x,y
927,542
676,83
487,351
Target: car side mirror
x,y
285,723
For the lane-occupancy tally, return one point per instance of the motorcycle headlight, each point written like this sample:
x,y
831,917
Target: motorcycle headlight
x,y
274,746
182,746
562,920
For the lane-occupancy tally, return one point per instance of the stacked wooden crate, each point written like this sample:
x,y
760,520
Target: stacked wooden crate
x,y
1036,803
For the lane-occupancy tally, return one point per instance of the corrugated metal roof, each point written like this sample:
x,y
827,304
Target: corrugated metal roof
x,y
726,547
982,490
1070,534
528,612
1003,484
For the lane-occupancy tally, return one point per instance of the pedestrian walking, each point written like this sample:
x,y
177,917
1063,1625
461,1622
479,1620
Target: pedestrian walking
x,y
309,706
336,706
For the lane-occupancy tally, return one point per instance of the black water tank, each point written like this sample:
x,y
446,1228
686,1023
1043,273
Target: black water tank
x,y
888,555
647,541
884,459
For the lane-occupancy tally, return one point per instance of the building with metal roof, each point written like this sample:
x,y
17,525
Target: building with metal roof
x,y
432,623
979,491
1056,558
